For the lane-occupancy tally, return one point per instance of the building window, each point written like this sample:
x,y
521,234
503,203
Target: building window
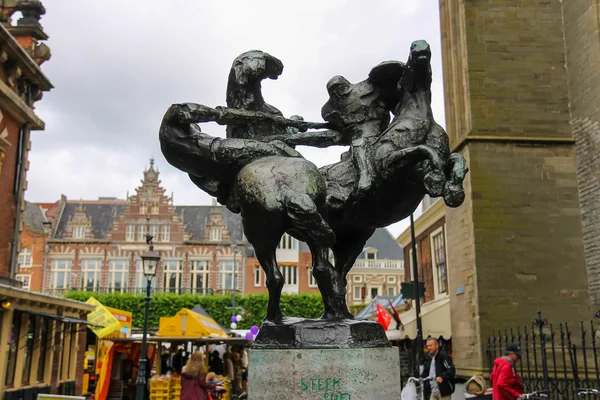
x,y
226,272
374,292
141,233
143,208
257,276
79,232
391,291
200,275
290,275
287,243
43,343
172,275
357,293
141,281
391,279
117,275
25,257
439,262
25,279
154,209
371,256
60,273
28,348
130,233
216,234
357,278
165,233
312,283
13,348
90,273
154,232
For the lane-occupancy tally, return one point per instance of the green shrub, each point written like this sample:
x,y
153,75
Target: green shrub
x,y
252,307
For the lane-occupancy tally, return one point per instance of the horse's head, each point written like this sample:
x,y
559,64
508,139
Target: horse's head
x,y
254,66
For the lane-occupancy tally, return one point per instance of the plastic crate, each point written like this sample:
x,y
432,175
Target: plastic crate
x,y
159,397
159,384
159,392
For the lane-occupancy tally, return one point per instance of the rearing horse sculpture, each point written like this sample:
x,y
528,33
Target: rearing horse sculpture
x,y
259,174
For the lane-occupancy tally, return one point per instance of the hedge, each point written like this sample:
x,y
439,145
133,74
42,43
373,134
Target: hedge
x,y
252,307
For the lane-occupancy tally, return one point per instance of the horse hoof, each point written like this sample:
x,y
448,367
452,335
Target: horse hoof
x,y
434,183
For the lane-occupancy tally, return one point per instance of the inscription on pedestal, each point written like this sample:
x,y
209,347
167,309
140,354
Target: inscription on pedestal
x,y
324,374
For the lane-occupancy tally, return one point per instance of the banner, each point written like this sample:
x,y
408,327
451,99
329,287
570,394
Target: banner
x,y
124,317
103,317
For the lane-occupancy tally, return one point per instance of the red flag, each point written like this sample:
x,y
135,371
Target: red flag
x,y
383,317
395,314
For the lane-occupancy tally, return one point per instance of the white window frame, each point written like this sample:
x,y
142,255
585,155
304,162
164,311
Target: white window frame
x,y
113,272
141,236
391,280
204,272
434,266
224,273
56,268
25,279
354,296
216,234
172,266
87,271
393,289
357,278
154,230
257,276
25,257
154,209
130,233
79,232
143,208
312,282
290,275
287,242
165,233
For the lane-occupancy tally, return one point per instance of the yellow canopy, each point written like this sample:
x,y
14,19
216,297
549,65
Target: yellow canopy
x,y
187,323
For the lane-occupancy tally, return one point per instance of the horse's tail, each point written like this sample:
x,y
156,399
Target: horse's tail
x,y
306,219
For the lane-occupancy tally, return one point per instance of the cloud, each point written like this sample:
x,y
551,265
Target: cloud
x,y
118,65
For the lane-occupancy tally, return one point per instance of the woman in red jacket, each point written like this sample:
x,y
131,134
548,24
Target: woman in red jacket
x,y
193,379
506,383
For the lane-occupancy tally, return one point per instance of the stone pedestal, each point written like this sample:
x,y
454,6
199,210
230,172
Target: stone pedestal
x,y
324,374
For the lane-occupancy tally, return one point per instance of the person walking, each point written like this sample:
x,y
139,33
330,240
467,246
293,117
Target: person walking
x,y
440,369
193,379
506,383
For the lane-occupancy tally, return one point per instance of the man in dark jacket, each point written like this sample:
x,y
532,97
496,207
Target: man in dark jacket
x,y
506,383
440,369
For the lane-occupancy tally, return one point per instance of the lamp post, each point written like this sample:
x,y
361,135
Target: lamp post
x,y
150,260
416,289
47,232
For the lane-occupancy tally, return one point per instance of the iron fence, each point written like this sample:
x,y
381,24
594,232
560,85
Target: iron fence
x,y
132,290
560,358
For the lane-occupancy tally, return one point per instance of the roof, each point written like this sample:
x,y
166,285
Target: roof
x,y
101,214
34,218
194,220
387,247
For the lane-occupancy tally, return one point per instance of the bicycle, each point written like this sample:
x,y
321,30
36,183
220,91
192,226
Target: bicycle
x,y
542,394
582,393
419,384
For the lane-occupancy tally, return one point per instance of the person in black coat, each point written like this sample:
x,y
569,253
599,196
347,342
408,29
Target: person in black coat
x,y
216,364
440,369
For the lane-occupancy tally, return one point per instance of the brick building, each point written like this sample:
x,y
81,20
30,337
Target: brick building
x,y
96,246
521,84
40,342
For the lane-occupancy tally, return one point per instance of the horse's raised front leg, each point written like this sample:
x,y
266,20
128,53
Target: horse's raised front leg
x,y
435,179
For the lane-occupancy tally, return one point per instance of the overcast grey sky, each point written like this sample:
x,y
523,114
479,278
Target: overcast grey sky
x,y
118,65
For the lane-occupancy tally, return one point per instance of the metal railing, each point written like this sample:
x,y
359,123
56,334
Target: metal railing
x,y
11,282
134,290
554,357
383,264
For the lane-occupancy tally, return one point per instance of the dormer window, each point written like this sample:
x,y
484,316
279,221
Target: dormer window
x,y
216,234
143,208
25,257
371,256
154,209
79,232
